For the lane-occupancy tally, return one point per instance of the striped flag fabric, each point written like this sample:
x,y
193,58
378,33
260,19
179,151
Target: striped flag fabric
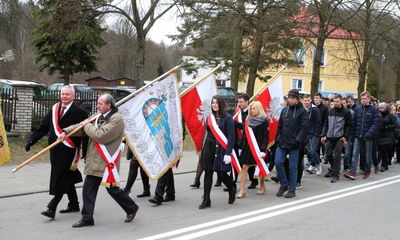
x,y
272,100
196,106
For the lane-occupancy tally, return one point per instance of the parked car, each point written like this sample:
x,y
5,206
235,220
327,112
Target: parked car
x,y
83,95
8,100
331,94
230,95
117,92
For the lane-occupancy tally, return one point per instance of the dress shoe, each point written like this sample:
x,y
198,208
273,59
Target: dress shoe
x,y
252,186
241,195
70,209
152,200
196,183
131,216
168,198
49,213
146,192
261,192
82,224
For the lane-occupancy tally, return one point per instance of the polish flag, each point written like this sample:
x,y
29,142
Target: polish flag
x,y
196,106
272,100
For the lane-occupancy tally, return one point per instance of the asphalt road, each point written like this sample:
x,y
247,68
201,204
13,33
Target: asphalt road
x,y
360,209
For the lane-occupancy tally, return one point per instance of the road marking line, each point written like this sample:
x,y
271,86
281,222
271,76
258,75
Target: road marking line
x,y
338,193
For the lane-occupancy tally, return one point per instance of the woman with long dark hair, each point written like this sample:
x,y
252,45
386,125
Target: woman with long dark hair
x,y
214,157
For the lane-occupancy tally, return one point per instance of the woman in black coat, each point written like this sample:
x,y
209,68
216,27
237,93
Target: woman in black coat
x,y
386,136
214,158
258,123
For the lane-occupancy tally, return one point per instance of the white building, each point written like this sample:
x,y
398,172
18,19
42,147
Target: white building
x,y
223,79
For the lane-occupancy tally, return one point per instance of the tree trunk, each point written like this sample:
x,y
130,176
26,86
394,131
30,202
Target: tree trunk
x,y
316,68
140,59
237,49
254,64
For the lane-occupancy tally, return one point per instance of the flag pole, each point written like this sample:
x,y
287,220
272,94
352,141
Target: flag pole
x,y
265,86
198,81
92,118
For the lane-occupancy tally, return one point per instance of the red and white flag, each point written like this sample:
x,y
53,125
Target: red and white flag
x,y
196,106
272,101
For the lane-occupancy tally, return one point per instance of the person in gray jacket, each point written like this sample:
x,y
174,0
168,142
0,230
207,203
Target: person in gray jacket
x,y
337,130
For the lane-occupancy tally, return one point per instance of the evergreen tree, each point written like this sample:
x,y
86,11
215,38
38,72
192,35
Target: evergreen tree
x,y
68,36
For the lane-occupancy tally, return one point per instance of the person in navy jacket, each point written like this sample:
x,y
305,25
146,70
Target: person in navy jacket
x,y
214,158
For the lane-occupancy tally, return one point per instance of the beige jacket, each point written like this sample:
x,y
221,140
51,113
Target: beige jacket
x,y
110,132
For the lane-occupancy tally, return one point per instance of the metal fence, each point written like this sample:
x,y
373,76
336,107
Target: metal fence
x,y
42,103
8,107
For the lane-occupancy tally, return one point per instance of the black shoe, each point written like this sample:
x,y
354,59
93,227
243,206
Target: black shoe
x,y
232,196
275,179
196,183
206,202
217,183
382,169
146,192
70,209
152,200
326,162
252,186
49,213
168,198
328,174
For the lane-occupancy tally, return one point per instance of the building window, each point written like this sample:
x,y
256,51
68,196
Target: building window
x,y
320,85
299,55
322,57
297,84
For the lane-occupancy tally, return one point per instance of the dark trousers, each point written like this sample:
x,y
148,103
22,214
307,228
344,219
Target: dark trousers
x,y
165,184
225,178
333,150
383,155
72,197
89,194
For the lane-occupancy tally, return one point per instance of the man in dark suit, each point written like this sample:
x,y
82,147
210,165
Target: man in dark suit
x,y
64,156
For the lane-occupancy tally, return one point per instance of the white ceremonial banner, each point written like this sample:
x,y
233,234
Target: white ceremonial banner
x,y
153,126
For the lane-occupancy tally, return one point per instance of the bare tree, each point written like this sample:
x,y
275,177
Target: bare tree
x,y
323,20
142,15
376,22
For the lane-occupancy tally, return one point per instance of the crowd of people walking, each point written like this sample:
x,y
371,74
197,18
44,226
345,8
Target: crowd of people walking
x,y
351,140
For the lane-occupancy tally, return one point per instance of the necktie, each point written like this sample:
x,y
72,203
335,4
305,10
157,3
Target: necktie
x,y
62,112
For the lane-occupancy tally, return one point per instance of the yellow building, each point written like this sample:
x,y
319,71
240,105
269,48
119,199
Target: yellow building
x,y
339,70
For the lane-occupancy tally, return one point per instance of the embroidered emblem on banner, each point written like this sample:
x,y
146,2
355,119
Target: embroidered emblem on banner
x,y
156,117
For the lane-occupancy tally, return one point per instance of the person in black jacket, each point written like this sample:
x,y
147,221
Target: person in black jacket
x,y
258,123
64,173
337,130
291,132
323,109
386,135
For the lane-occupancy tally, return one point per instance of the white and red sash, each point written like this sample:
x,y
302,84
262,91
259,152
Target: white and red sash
x,y
221,138
110,176
238,118
67,142
262,170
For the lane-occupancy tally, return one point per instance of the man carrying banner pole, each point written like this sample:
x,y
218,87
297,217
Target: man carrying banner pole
x,y
102,160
